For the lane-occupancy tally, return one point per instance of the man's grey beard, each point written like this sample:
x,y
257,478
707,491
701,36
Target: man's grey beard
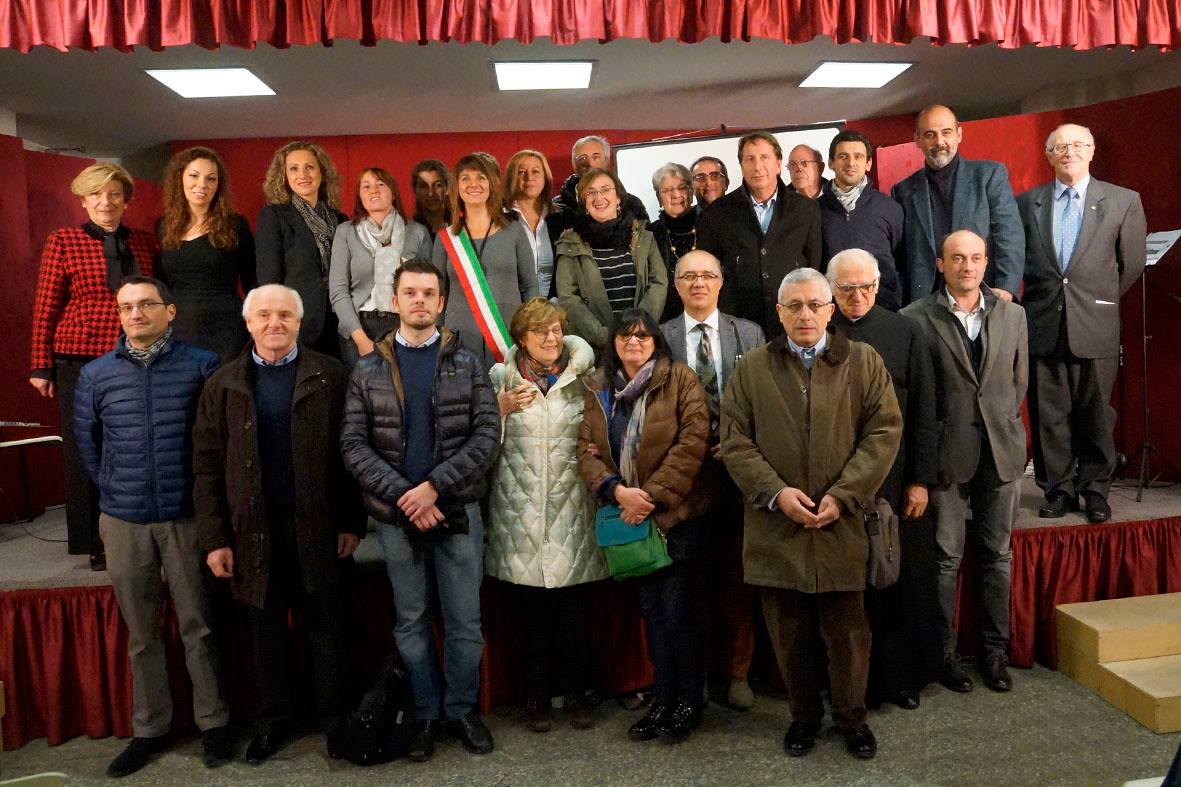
x,y
939,160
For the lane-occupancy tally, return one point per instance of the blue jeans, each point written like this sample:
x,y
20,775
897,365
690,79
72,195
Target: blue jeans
x,y
446,572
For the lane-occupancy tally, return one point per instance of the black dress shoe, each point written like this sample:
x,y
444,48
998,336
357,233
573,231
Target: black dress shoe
x,y
677,723
648,727
861,743
264,745
800,738
217,747
907,699
954,677
996,673
471,732
422,741
1059,505
137,754
1096,506
98,561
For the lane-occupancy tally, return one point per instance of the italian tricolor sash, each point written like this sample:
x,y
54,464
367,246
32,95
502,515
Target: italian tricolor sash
x,y
476,290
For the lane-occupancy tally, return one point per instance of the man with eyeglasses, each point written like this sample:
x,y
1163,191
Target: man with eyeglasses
x,y
711,343
855,215
759,232
592,152
134,412
1085,246
980,352
810,428
710,179
906,651
954,193
805,168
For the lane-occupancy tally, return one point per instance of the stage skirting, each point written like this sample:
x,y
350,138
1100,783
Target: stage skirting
x,y
63,652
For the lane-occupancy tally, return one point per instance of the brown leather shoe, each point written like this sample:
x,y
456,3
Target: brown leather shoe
x,y
538,717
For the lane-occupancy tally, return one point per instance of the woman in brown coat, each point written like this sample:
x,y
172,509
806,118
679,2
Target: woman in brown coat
x,y
644,434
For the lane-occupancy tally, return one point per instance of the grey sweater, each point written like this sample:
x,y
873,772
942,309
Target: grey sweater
x,y
350,277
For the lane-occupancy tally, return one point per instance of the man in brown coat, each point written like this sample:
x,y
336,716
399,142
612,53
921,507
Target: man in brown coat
x,y
809,459
275,506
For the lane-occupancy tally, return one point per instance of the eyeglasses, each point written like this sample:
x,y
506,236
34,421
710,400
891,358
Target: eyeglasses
x,y
544,333
596,193
1076,147
683,189
701,177
801,164
707,277
795,307
640,336
143,306
864,289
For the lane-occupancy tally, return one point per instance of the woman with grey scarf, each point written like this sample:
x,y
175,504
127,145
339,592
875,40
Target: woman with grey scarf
x,y
293,241
365,254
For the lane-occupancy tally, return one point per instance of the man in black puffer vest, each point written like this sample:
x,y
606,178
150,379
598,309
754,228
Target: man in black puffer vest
x,y
134,409
421,431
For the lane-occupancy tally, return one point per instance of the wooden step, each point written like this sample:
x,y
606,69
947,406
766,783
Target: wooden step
x,y
1091,633
1148,690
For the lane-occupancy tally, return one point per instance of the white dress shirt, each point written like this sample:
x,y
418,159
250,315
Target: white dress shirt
x,y
693,341
973,320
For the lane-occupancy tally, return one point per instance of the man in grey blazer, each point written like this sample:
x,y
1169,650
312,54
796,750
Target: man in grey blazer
x,y
979,347
1084,249
953,193
711,343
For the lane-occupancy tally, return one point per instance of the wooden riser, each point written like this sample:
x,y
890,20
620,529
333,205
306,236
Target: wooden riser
x,y
1098,632
1148,690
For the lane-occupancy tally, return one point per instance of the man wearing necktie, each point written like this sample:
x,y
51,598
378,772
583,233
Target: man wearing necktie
x,y
711,342
1085,246
810,429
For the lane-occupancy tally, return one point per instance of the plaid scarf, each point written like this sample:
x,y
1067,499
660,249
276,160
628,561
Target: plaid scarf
x,y
540,374
632,392
148,354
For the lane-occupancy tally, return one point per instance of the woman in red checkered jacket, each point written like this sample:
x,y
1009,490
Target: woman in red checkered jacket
x,y
76,319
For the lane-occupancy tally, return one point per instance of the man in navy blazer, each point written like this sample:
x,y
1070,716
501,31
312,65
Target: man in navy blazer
x,y
952,193
1085,247
711,342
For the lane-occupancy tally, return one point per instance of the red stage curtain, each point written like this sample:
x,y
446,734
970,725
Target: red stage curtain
x,y
1062,565
82,24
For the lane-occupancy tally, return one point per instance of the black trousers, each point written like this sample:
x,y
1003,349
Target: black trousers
x,y
270,632
668,604
81,493
556,627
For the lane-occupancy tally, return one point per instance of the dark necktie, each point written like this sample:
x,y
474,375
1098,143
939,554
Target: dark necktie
x,y
807,356
703,364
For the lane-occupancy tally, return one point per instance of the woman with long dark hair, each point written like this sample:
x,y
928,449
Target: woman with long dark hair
x,y
366,253
293,244
644,436
208,253
485,258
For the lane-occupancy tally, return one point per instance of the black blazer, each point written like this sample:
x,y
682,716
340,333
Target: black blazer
x,y
754,263
286,253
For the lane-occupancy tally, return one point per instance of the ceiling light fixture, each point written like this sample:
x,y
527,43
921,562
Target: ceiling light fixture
x,y
844,74
211,82
544,74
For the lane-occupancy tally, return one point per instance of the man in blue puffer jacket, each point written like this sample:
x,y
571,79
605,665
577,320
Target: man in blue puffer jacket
x,y
134,412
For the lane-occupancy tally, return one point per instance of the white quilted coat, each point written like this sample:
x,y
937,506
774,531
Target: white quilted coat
x,y
541,525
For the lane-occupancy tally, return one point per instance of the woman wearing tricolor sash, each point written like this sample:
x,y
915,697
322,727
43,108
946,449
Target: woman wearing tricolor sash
x,y
486,260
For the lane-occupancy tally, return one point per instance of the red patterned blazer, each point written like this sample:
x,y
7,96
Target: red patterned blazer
x,y
74,312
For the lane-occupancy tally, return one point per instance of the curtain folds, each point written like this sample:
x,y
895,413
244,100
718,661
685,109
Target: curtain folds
x,y
157,24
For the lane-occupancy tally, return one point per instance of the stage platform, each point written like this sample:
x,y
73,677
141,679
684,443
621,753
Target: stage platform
x,y
63,646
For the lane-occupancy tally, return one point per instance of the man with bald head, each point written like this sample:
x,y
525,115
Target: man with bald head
x,y
952,193
979,348
805,166
711,343
1085,248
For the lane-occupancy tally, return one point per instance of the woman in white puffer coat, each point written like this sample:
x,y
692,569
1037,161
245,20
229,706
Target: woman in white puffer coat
x,y
541,535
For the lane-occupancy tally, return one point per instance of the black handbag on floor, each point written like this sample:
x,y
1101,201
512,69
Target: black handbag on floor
x,y
379,730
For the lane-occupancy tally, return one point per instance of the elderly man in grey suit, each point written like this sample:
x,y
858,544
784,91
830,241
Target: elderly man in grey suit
x,y
711,343
979,346
953,193
1084,249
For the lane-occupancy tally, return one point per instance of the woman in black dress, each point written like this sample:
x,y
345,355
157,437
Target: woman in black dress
x,y
295,232
675,229
208,253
